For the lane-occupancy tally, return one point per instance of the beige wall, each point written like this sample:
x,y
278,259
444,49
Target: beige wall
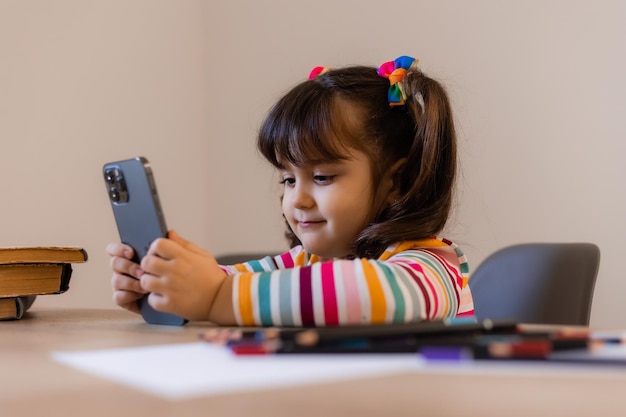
x,y
538,88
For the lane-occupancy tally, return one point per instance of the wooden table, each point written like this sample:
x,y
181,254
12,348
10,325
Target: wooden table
x,y
32,384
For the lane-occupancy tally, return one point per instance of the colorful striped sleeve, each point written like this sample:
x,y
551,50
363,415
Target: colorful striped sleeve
x,y
266,264
410,282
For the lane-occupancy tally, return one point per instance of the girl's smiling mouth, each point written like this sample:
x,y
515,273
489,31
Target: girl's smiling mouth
x,y
310,223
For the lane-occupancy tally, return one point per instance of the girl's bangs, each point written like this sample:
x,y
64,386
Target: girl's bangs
x,y
304,130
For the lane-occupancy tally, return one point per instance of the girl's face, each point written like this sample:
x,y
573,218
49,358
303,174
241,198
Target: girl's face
x,y
328,204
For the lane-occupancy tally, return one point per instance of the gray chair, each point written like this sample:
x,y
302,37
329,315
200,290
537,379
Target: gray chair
x,y
237,258
546,283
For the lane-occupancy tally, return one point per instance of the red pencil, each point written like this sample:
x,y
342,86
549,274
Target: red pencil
x,y
521,349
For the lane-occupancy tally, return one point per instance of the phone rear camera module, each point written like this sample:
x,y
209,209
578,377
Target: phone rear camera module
x,y
114,178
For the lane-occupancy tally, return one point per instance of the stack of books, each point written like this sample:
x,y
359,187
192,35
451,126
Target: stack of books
x,y
29,271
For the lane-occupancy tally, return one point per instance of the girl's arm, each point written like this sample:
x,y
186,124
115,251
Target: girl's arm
x,y
409,285
412,285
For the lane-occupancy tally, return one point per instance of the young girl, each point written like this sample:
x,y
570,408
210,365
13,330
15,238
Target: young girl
x,y
367,158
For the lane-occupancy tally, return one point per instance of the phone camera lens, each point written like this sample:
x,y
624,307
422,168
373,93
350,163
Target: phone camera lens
x,y
114,195
109,176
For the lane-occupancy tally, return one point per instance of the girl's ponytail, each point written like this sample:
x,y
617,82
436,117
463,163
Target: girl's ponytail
x,y
434,148
425,183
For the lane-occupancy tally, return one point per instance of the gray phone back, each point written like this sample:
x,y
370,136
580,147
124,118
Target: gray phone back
x,y
139,218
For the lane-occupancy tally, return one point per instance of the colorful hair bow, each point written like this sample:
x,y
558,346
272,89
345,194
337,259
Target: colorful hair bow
x,y
318,71
396,71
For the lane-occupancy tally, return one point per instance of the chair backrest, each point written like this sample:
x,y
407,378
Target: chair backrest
x,y
547,283
237,258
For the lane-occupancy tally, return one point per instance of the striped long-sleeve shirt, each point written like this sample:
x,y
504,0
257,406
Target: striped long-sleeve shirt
x,y
411,281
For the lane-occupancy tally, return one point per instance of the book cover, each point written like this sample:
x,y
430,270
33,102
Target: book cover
x,y
34,279
42,254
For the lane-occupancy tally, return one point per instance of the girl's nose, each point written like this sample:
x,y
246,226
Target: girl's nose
x,y
301,197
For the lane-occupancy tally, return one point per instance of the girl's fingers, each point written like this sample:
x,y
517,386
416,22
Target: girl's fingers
x,y
163,248
126,283
126,292
120,249
127,300
173,235
153,265
151,284
175,242
159,302
124,266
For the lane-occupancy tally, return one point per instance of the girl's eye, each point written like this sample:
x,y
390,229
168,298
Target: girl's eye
x,y
288,181
323,179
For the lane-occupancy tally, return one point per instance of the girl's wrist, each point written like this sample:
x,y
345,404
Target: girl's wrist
x,y
221,308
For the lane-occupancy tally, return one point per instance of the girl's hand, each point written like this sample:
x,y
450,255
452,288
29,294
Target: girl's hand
x,y
127,288
181,278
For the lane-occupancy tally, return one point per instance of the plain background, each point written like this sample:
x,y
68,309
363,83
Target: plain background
x,y
537,88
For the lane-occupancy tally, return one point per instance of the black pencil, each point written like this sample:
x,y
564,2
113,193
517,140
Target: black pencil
x,y
440,329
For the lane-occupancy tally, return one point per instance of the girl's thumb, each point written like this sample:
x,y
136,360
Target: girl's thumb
x,y
174,236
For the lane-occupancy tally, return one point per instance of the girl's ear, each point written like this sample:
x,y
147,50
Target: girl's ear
x,y
392,180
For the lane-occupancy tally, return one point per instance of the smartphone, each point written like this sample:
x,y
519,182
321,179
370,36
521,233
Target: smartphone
x,y
137,211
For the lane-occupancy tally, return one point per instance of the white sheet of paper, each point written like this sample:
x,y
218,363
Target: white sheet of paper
x,y
198,369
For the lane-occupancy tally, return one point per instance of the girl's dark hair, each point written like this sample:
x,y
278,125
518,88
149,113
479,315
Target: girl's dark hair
x,y
310,124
